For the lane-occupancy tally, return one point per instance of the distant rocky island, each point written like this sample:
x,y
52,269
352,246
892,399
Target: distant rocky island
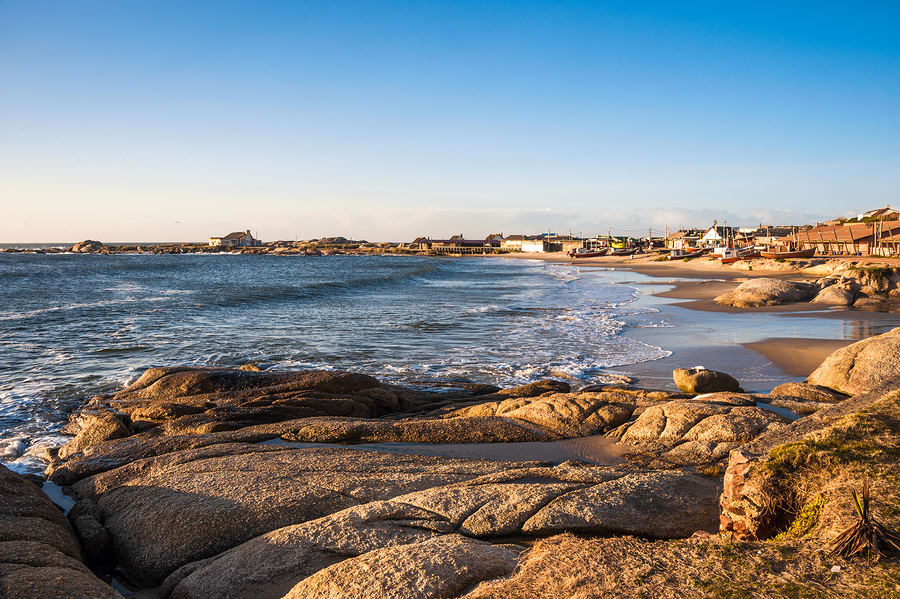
x,y
250,482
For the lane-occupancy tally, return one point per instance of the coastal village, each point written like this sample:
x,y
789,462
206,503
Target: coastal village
x,y
874,233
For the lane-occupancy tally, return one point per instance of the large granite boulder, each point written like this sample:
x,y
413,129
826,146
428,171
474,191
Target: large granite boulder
x,y
767,292
701,380
94,428
860,367
39,555
432,569
516,502
834,295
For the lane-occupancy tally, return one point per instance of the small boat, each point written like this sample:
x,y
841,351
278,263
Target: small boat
x,y
798,254
732,256
622,252
586,253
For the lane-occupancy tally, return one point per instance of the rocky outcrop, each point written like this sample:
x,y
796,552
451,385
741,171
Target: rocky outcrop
x,y
861,366
39,555
432,569
94,428
767,292
163,512
761,489
695,432
88,246
701,380
517,501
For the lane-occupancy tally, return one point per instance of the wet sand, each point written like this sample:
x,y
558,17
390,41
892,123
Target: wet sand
x,y
754,344
797,357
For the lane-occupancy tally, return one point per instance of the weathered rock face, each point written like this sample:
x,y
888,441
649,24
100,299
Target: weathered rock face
x,y
94,428
767,292
430,430
695,432
808,392
87,246
531,501
564,414
834,295
754,498
432,569
859,367
163,512
701,380
39,555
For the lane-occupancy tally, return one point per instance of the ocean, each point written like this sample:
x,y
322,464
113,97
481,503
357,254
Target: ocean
x,y
72,326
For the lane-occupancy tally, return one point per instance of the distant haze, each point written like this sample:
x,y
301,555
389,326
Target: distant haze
x,y
170,120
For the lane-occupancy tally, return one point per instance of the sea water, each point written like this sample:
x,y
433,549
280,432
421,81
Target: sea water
x,y
72,326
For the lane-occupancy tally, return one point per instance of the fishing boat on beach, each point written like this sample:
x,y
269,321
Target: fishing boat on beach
x,y
735,255
623,252
796,254
587,253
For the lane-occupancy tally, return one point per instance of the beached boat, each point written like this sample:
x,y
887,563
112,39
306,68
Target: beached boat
x,y
732,256
587,253
622,252
798,254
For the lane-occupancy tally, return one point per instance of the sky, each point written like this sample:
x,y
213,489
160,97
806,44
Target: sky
x,y
158,120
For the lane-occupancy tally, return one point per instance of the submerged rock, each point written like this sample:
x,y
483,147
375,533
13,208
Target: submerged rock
x,y
701,380
767,292
862,366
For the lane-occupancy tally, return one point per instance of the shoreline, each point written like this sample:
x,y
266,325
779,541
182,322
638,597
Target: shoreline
x,y
774,357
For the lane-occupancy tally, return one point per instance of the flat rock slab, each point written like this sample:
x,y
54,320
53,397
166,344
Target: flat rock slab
x,y
525,501
432,569
163,512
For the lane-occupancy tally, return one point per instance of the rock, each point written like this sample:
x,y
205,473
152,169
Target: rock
x,y
566,415
517,501
690,432
536,388
808,392
834,295
166,511
701,380
88,246
767,292
39,555
861,366
426,430
869,303
435,568
94,428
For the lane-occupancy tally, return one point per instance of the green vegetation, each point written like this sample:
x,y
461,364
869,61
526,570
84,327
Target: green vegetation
x,y
780,260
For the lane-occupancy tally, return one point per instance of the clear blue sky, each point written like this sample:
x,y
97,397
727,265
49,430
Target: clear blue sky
x,y
174,120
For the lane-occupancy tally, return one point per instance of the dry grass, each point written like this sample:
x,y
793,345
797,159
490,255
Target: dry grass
x,y
569,567
867,535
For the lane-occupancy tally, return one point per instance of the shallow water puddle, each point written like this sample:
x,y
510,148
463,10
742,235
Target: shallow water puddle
x,y
596,449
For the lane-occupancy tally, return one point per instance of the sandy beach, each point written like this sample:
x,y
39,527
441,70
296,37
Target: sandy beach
x,y
695,283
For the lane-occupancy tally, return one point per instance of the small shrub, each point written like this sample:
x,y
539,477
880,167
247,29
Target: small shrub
x,y
780,260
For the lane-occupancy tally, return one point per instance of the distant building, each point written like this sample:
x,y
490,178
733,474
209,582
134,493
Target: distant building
x,y
881,238
879,214
513,243
684,239
716,235
236,239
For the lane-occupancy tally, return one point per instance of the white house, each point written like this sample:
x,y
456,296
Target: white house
x,y
236,239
